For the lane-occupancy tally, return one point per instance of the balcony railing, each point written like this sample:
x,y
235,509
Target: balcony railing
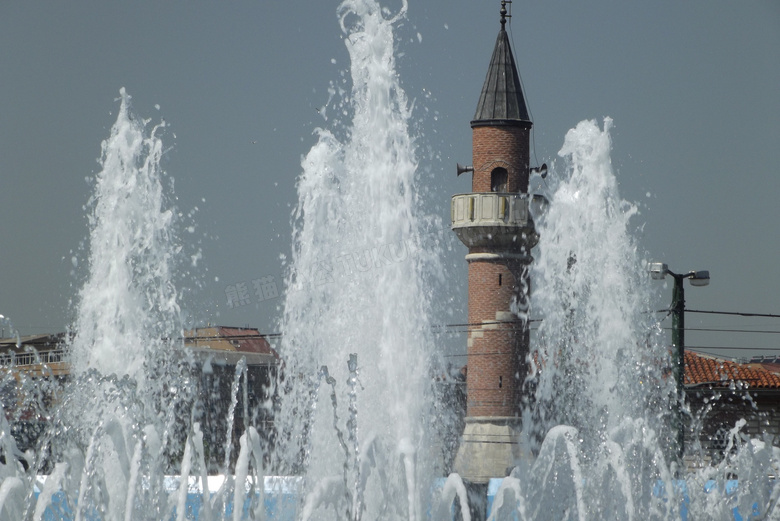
x,y
27,359
494,219
489,209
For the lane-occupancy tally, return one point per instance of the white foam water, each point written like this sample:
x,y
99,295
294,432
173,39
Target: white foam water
x,y
600,424
357,429
126,357
356,402
129,301
596,340
115,431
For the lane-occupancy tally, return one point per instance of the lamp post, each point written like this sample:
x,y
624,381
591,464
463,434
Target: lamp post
x,y
658,271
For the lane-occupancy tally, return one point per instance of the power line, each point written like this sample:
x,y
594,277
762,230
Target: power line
x,y
733,313
492,353
719,330
693,348
703,351
487,322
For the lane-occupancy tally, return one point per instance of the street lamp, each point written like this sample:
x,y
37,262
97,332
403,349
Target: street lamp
x,y
658,271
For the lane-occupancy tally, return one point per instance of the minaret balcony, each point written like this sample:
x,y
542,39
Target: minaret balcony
x,y
495,219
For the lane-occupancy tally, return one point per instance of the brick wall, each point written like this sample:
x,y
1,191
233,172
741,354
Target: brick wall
x,y
501,146
498,341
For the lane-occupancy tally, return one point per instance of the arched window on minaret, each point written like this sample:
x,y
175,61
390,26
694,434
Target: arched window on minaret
x,y
498,179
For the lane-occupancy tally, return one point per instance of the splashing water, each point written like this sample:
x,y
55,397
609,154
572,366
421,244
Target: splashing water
x,y
596,340
599,359
129,301
356,400
115,430
599,422
128,385
357,288
363,338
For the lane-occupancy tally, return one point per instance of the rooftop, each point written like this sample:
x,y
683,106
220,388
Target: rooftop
x,y
706,370
219,344
502,101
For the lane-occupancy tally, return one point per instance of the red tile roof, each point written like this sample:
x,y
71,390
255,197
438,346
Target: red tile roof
x,y
239,339
248,340
709,370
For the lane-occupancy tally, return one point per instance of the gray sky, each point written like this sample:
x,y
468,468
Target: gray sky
x,y
692,88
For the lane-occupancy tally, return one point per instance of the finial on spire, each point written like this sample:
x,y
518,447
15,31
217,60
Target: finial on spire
x,y
504,14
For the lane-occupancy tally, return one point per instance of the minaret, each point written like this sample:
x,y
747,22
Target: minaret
x,y
494,223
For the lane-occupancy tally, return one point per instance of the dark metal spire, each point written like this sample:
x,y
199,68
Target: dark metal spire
x,y
502,101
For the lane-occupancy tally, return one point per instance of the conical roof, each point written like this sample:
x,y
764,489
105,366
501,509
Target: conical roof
x,y
502,101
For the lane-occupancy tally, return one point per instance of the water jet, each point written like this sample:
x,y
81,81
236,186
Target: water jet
x,y
581,406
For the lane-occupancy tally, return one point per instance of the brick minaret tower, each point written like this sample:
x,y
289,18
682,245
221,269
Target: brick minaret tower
x,y
494,223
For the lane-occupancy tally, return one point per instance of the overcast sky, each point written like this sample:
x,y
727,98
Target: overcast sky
x,y
692,88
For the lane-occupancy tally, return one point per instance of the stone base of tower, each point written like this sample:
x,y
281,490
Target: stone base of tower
x,y
488,448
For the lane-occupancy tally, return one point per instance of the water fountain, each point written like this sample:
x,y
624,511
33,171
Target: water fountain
x,y
357,410
366,446
601,420
108,443
124,420
598,357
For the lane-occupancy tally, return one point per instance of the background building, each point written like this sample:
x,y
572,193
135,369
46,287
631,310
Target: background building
x,y
34,372
720,394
